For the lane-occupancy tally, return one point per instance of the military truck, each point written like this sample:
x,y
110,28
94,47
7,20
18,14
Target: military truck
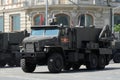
x,y
116,51
65,48
9,47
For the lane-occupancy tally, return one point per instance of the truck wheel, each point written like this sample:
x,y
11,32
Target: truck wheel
x,y
116,58
67,66
55,63
17,64
76,66
2,64
92,62
101,62
28,66
11,63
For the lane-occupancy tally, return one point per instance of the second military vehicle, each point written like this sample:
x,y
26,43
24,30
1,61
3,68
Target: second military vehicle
x,y
9,47
66,48
116,51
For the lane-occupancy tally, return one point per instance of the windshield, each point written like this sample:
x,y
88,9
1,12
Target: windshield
x,y
47,32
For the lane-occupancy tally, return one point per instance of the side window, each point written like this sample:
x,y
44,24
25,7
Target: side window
x,y
62,32
65,32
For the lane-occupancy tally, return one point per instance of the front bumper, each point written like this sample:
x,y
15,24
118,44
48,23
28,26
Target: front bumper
x,y
33,54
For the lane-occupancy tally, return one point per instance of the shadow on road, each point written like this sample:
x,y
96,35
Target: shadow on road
x,y
8,67
78,71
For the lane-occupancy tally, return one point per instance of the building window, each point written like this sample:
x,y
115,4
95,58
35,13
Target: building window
x,y
15,22
63,19
39,20
63,1
14,1
39,0
117,0
84,0
1,23
3,2
85,20
117,19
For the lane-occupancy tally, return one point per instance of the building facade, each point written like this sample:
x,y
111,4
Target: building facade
x,y
17,15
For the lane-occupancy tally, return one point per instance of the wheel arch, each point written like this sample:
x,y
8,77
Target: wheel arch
x,y
52,50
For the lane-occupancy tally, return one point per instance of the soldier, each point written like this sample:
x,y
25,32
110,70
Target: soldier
x,y
54,22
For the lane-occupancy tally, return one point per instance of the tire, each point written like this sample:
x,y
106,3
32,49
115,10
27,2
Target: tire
x,y
116,58
76,66
11,63
17,64
55,63
92,62
2,64
27,65
67,66
101,62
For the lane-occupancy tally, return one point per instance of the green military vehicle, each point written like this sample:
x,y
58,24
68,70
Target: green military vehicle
x,y
65,48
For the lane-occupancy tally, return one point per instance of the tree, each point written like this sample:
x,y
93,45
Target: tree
x,y
117,29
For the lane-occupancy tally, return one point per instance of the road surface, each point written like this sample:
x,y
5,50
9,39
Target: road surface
x,y
112,72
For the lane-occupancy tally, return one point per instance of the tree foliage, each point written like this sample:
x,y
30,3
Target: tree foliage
x,y
117,28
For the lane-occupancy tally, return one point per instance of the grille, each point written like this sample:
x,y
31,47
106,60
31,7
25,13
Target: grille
x,y
30,47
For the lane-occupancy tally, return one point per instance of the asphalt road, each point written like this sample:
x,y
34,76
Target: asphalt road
x,y
112,72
